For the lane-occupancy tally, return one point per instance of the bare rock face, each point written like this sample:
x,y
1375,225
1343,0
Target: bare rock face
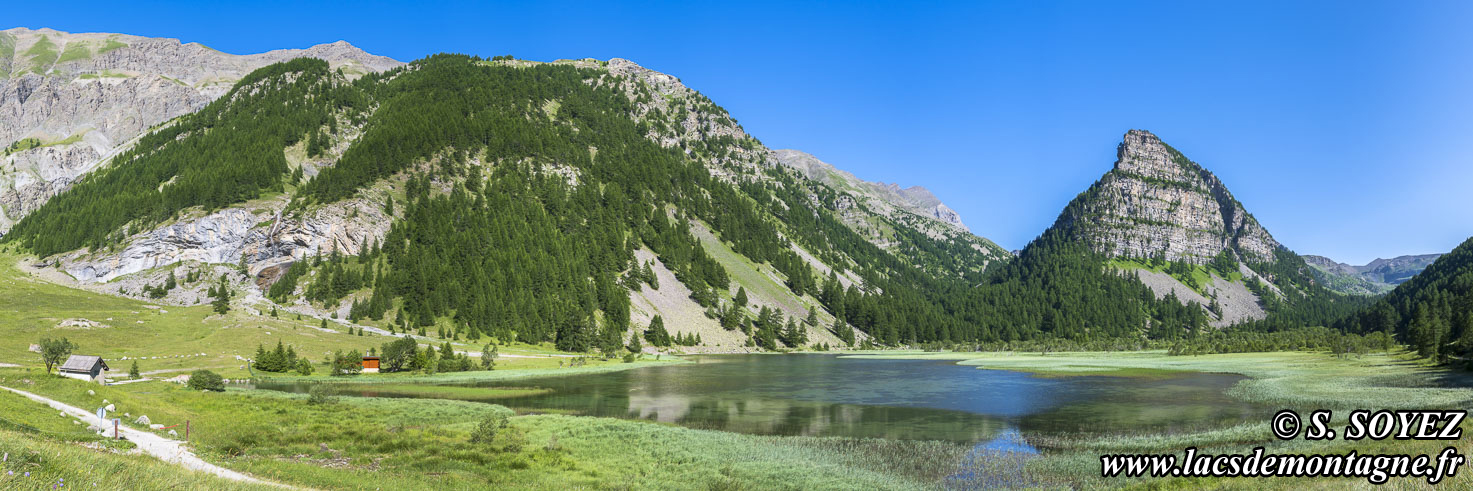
x,y
70,101
257,239
1156,202
859,200
914,199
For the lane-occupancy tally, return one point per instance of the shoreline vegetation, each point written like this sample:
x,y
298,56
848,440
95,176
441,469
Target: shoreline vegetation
x,y
334,443
1297,380
398,378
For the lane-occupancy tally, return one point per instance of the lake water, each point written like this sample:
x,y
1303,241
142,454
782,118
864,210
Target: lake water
x,y
824,395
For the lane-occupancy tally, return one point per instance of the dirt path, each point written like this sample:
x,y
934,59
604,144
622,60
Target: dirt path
x,y
168,450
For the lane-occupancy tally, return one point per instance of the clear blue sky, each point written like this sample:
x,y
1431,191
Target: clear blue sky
x,y
1343,126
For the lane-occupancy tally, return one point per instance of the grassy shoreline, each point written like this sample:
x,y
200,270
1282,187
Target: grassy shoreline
x,y
424,443
466,377
1293,380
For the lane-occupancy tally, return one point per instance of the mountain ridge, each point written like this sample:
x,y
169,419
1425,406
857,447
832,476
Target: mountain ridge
x,y
1373,278
70,101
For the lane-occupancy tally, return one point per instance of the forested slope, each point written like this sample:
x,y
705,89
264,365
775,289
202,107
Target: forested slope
x,y
468,197
1433,311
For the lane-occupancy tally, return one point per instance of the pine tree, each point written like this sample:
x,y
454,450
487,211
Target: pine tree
x,y
634,345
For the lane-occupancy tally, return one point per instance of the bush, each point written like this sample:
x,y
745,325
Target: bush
x,y
485,433
304,367
320,394
206,380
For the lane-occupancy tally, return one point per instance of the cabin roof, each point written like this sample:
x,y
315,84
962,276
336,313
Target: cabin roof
x,y
370,357
83,363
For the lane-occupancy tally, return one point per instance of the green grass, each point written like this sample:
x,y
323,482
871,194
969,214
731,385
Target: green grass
x,y
29,143
42,54
1296,380
51,462
747,274
461,393
20,414
74,52
110,45
507,369
424,444
22,145
103,74
1202,274
136,330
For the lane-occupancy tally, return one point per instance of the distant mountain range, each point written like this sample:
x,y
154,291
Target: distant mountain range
x,y
1377,277
576,201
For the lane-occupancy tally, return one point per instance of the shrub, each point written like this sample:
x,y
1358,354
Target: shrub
x,y
485,433
320,394
206,380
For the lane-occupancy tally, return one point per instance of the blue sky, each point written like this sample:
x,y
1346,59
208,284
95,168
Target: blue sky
x,y
1344,127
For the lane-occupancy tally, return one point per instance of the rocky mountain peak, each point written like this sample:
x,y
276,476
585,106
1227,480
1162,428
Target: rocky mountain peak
x,y
1155,202
69,101
1141,152
914,199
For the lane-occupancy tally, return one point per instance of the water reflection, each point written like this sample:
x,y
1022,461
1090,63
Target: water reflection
x,y
822,395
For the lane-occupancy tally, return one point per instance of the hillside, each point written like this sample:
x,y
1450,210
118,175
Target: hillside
x,y
1157,248
914,206
1177,226
1374,278
69,101
589,203
373,197
1432,311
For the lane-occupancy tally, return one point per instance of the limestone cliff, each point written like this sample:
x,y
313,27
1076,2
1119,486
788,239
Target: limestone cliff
x,y
69,101
1156,202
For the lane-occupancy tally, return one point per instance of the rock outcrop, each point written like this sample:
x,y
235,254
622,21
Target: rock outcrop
x,y
70,101
1155,202
914,199
257,239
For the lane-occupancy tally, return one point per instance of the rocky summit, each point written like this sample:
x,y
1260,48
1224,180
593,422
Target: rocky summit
x,y
1175,226
913,206
69,102
1156,202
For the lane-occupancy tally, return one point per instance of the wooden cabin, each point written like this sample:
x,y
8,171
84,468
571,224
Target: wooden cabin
x,y
82,367
370,364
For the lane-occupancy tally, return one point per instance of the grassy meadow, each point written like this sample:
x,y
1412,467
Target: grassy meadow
x,y
396,443
425,442
1302,381
164,339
